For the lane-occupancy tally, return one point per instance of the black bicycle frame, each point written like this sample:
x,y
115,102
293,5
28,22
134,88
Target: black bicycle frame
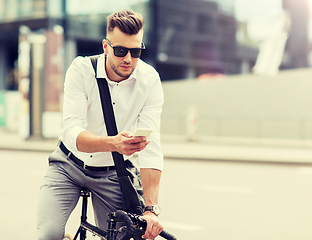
x,y
119,216
85,193
84,226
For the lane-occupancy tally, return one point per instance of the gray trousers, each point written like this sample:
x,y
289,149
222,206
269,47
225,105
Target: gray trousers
x,y
60,193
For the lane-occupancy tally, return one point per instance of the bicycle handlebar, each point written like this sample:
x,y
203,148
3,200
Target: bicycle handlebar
x,y
131,219
123,217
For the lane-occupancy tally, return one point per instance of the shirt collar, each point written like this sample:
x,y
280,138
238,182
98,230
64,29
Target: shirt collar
x,y
101,72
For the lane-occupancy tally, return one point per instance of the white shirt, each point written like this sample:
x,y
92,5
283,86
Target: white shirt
x,y
137,102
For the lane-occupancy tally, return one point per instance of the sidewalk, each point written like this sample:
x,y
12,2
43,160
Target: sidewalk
x,y
181,149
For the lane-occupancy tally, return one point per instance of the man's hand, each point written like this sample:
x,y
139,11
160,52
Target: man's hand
x,y
123,143
153,228
127,145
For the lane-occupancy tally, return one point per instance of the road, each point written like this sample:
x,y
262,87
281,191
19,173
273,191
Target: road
x,y
200,199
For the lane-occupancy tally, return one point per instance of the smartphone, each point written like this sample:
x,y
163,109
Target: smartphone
x,y
145,132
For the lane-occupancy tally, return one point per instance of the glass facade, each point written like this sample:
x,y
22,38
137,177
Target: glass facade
x,y
77,7
96,11
55,8
11,10
179,34
225,6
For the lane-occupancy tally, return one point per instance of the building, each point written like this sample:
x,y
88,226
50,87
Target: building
x,y
298,46
40,38
194,39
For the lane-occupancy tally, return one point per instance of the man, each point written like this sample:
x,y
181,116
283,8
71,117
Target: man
x,y
137,100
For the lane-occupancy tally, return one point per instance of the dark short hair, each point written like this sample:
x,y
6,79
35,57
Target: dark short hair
x,y
126,20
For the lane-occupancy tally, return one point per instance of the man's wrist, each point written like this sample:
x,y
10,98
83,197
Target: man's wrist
x,y
155,209
110,142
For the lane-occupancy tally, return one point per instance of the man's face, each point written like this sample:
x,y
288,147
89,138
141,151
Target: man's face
x,y
120,68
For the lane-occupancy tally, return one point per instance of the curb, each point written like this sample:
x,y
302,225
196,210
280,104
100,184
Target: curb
x,y
181,149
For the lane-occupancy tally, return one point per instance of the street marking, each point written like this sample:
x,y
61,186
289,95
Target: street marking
x,y
227,189
182,226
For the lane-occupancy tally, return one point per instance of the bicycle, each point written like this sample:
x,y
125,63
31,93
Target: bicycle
x,y
132,224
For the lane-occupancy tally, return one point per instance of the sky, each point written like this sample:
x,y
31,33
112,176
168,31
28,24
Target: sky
x,y
259,14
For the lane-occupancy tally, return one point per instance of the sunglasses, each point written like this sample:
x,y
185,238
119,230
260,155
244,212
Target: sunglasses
x,y
123,51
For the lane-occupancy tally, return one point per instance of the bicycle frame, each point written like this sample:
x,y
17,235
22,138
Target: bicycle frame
x,y
111,234
84,225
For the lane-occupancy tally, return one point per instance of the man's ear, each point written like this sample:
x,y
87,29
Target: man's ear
x,y
104,44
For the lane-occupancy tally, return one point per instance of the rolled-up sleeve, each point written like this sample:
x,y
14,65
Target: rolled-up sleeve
x,y
152,155
75,104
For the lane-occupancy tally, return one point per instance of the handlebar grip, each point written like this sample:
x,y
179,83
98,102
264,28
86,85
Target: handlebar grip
x,y
135,219
167,235
123,216
164,233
